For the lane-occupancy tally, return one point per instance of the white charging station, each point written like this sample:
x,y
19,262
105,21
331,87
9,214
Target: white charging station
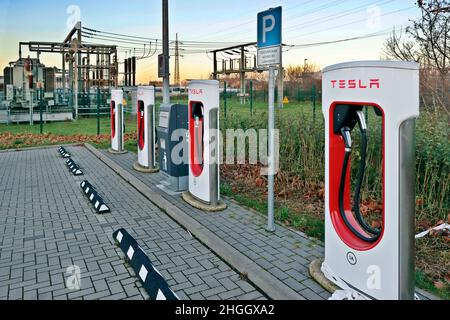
x,y
375,263
204,144
117,122
146,130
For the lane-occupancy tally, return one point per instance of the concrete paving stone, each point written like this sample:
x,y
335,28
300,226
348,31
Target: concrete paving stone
x,y
22,284
105,276
195,279
30,295
117,296
283,266
100,285
29,275
232,294
4,290
5,271
245,286
198,270
310,295
254,295
16,273
45,296
57,279
294,284
196,296
183,286
97,295
131,290
115,287
297,275
195,289
80,293
15,294
132,279
51,288
311,284
135,297
211,281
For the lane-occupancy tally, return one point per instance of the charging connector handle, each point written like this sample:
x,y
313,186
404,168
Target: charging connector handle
x,y
347,138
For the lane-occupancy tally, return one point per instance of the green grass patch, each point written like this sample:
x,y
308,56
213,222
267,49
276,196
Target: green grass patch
x,y
424,282
311,226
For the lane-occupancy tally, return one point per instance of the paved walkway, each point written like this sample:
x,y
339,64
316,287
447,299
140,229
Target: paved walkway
x,y
285,254
47,225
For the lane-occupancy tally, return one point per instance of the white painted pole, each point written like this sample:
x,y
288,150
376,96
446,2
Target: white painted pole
x,y
271,173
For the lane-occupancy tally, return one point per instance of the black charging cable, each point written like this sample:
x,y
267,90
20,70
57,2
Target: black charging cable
x,y
362,169
346,134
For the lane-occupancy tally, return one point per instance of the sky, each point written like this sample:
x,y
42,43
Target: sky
x,y
304,22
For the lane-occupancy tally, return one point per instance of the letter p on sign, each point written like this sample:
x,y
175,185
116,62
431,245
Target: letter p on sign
x,y
269,28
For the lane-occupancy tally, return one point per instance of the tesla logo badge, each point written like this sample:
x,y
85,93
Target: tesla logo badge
x,y
196,91
356,84
351,258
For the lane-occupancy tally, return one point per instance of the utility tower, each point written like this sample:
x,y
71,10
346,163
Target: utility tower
x,y
177,63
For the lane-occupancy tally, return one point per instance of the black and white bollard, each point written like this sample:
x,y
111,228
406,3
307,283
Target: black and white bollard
x,y
74,168
62,151
94,197
152,281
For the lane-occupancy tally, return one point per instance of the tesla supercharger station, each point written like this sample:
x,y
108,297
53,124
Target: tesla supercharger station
x,y
203,122
377,263
145,112
117,122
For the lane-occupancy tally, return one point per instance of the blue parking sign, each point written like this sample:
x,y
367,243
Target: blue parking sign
x,y
269,28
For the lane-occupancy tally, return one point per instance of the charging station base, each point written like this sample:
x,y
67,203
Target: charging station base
x,y
112,151
189,198
317,274
139,168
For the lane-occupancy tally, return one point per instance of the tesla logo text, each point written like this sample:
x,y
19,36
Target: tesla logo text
x,y
356,84
196,91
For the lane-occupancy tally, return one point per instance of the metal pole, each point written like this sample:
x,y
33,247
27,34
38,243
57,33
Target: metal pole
x,y
165,22
314,103
76,88
280,83
41,124
251,97
121,127
271,158
242,68
98,110
151,136
63,78
225,98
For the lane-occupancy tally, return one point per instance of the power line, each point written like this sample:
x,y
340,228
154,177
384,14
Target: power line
x,y
335,16
142,39
353,22
366,36
311,11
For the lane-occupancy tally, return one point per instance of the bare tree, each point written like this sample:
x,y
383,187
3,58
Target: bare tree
x,y
427,42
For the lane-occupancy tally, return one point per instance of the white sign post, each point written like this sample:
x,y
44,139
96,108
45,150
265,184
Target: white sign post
x,y
269,54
